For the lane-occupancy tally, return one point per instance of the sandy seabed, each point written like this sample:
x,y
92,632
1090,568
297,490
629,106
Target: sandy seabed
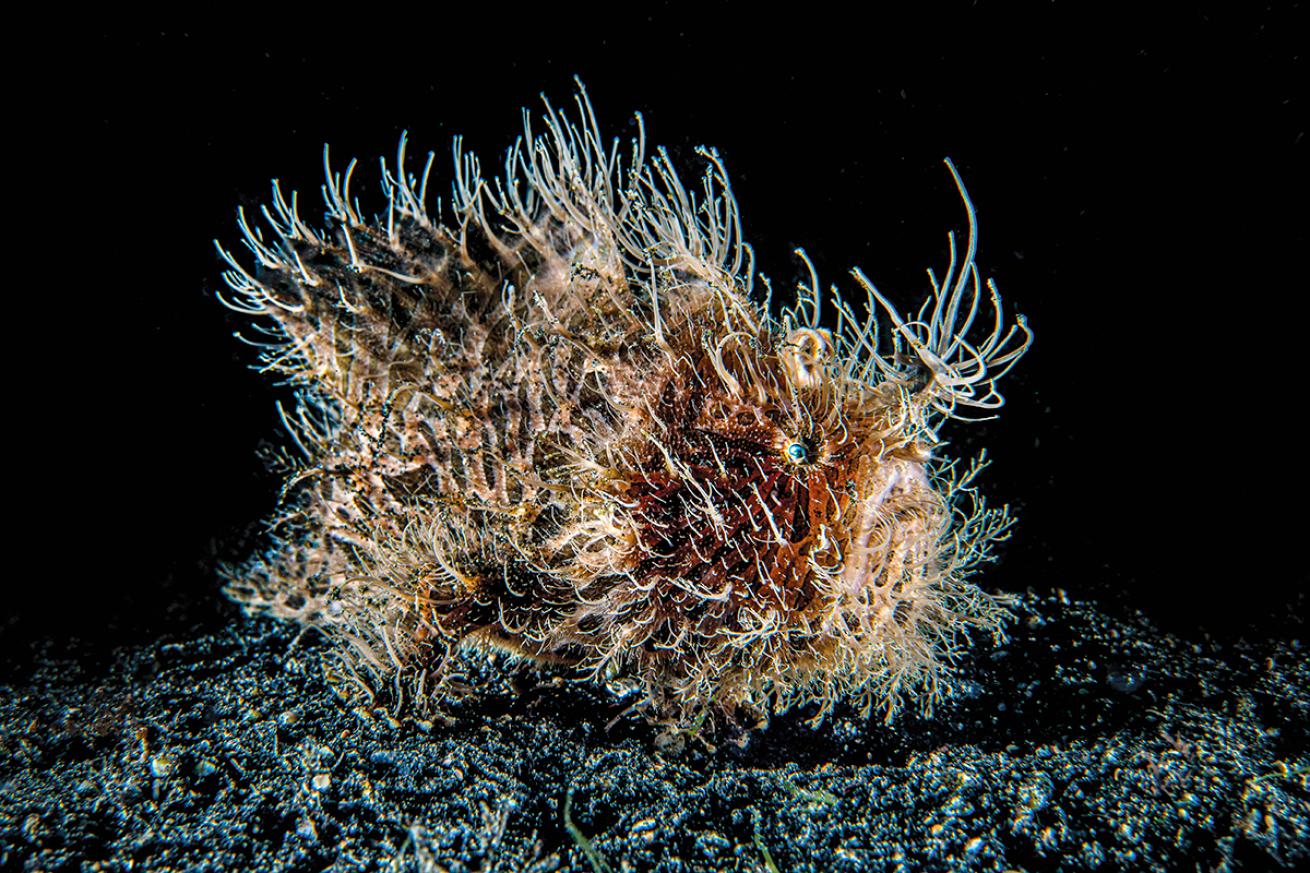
x,y
1085,742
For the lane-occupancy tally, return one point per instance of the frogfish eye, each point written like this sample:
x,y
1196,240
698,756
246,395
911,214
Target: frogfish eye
x,y
798,452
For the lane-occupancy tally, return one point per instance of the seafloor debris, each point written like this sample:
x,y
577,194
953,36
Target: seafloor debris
x,y
230,751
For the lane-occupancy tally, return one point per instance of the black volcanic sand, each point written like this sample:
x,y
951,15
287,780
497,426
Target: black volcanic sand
x,y
1085,742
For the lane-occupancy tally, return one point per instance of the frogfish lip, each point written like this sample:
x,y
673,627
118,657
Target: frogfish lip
x,y
874,532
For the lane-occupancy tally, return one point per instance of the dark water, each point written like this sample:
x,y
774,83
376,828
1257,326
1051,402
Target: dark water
x,y
1137,190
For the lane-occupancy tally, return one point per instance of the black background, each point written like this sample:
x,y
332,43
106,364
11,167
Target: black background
x,y
1141,195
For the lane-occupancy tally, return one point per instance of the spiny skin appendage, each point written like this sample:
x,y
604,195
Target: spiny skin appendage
x,y
558,422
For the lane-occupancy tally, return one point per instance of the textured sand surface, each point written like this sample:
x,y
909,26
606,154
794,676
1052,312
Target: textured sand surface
x,y
1086,742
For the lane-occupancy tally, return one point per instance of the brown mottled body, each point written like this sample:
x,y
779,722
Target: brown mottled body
x,y
569,431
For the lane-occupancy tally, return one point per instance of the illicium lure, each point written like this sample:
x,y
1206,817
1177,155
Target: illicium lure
x,y
556,419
